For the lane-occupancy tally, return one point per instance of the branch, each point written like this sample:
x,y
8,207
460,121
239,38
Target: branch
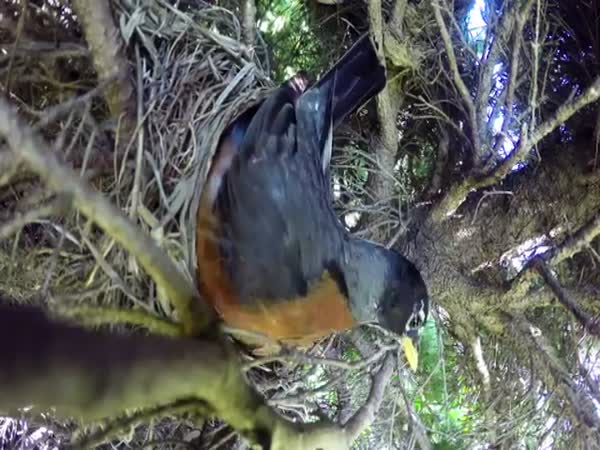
x,y
590,324
386,140
579,401
95,316
110,61
578,241
458,81
366,414
123,423
457,195
249,22
514,72
92,375
194,314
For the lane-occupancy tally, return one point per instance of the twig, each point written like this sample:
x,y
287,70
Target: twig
x,y
55,112
366,414
458,81
13,51
107,49
578,241
194,314
295,355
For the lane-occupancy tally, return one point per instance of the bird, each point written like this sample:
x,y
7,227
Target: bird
x,y
272,256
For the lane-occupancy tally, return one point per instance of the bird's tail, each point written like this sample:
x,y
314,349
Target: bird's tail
x,y
355,79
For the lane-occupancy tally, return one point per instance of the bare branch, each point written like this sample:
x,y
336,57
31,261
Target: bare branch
x,y
458,193
366,414
458,81
249,22
109,57
94,316
578,241
194,314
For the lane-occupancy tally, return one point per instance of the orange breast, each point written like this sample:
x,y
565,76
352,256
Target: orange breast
x,y
296,321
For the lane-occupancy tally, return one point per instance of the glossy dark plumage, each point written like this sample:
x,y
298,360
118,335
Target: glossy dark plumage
x,y
272,255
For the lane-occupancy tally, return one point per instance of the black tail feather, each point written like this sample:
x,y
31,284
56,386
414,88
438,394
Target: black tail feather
x,y
357,77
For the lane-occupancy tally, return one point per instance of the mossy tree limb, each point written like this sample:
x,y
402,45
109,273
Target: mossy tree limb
x,y
93,375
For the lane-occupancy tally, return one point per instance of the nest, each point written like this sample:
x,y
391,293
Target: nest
x,y
192,77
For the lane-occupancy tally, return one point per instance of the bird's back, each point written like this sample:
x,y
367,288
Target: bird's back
x,y
269,243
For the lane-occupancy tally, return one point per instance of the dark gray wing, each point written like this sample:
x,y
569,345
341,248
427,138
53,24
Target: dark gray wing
x,y
279,233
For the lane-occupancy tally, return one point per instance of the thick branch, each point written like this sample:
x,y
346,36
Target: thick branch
x,y
386,142
109,57
194,314
94,375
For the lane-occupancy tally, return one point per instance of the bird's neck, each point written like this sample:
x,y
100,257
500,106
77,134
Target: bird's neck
x,y
364,267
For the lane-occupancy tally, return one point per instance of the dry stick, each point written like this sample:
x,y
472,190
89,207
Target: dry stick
x,y
458,81
21,219
194,314
249,22
459,192
19,31
366,414
590,324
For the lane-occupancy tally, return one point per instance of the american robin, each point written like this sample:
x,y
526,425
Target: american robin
x,y
272,256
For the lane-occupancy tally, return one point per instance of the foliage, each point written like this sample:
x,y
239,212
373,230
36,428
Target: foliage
x,y
287,27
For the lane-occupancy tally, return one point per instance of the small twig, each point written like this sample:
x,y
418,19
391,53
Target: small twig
x,y
55,112
295,355
484,196
590,324
139,158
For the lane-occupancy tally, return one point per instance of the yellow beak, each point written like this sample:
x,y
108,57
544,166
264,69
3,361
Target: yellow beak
x,y
410,352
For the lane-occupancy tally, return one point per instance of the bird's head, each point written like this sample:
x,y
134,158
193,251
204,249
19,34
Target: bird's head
x,y
403,306
387,288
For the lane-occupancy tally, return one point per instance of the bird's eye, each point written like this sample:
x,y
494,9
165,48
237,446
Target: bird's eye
x,y
414,323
